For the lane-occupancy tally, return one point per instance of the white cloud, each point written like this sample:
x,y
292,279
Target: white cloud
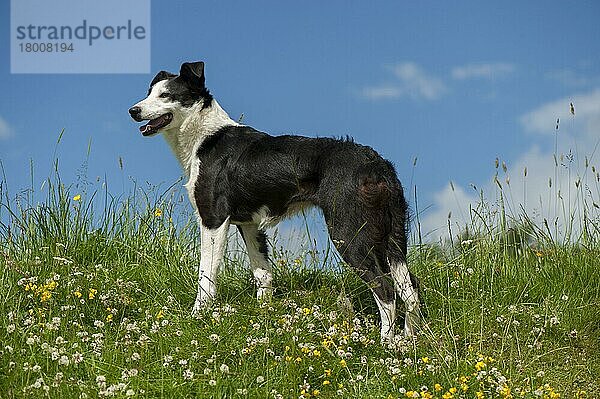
x,y
451,203
586,119
486,70
5,130
574,186
412,82
416,83
571,78
381,92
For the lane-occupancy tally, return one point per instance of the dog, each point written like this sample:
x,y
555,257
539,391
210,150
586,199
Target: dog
x,y
240,176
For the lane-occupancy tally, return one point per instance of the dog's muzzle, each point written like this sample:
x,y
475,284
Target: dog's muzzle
x,y
135,113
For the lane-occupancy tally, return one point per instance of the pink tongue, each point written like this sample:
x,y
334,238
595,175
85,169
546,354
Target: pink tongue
x,y
145,128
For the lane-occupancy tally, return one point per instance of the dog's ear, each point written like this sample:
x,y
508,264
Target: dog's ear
x,y
162,75
193,73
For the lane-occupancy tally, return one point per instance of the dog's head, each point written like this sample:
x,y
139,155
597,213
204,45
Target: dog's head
x,y
171,99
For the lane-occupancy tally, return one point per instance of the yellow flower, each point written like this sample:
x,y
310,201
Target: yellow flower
x,y
45,296
77,294
298,359
479,395
109,317
343,363
328,372
77,198
326,382
412,394
92,293
505,392
425,359
437,387
306,311
316,353
316,392
160,314
158,212
479,365
453,390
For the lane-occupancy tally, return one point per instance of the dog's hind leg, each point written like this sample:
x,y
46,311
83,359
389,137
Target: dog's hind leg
x,y
408,294
258,252
212,250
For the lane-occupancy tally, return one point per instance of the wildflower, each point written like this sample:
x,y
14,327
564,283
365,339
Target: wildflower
x,y
189,374
260,379
160,314
158,212
437,387
212,383
316,392
77,197
479,395
77,294
109,318
92,293
77,357
224,368
343,363
326,382
45,296
328,372
480,365
505,392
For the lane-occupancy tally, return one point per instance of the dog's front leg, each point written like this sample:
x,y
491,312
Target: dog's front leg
x,y
212,249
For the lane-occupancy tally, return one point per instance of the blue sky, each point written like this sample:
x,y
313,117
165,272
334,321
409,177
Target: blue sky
x,y
454,85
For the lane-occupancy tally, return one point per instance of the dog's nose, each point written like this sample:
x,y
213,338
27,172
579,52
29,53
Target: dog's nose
x,y
135,112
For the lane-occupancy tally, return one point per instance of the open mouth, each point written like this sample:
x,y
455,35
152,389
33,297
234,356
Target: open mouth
x,y
155,124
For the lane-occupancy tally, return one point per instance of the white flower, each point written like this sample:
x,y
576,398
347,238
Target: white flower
x,y
260,379
77,357
10,328
188,374
224,368
212,383
214,338
64,360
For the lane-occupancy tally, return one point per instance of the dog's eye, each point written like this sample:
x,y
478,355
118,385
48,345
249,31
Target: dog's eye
x,y
164,95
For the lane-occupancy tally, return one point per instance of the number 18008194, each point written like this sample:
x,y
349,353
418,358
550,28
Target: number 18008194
x,y
46,47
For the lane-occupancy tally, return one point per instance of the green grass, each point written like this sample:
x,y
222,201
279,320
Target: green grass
x,y
96,292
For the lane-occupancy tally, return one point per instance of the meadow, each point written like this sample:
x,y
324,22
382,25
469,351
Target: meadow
x,y
96,292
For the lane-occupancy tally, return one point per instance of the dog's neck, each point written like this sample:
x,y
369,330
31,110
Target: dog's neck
x,y
196,127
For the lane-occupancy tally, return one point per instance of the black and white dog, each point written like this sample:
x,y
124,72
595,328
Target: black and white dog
x,y
238,175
